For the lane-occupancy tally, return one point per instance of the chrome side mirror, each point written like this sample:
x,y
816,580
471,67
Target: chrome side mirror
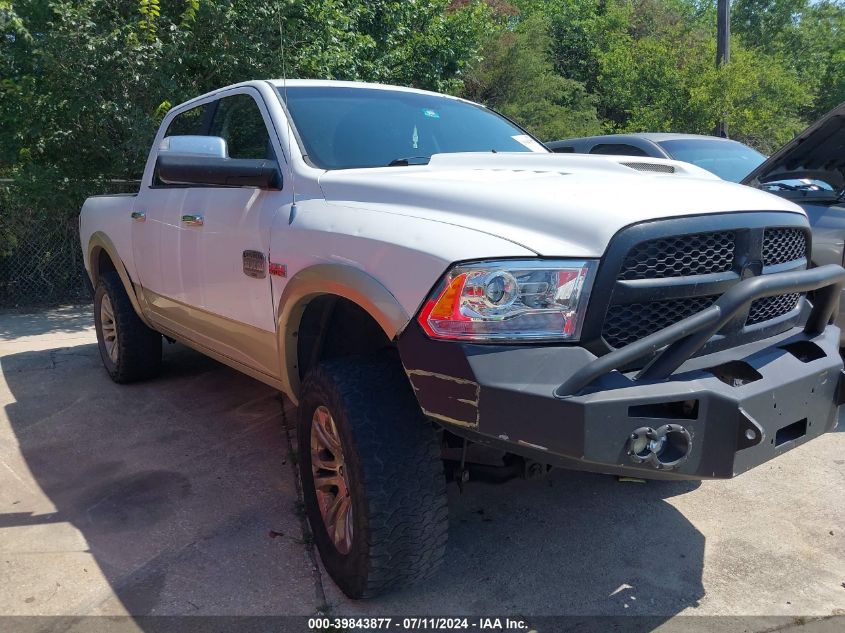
x,y
194,145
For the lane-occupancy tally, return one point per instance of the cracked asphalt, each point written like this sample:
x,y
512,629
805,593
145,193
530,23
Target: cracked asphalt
x,y
178,497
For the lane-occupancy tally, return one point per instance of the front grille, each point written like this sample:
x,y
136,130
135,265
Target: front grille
x,y
628,323
771,307
650,251
680,256
781,245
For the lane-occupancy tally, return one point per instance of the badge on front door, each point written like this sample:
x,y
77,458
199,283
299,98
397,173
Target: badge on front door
x,y
254,264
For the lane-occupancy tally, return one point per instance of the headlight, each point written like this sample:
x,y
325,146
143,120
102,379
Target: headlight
x,y
510,301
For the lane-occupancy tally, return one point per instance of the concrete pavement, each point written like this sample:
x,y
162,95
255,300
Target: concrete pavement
x,y
177,496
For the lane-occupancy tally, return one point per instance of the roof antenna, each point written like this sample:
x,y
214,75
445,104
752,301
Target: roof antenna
x,y
287,119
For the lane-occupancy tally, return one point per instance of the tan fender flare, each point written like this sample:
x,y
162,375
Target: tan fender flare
x,y
331,279
101,242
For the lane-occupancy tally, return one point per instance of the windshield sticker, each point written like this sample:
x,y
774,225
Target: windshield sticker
x,y
431,114
527,141
415,138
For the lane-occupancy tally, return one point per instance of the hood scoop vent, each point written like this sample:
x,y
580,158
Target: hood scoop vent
x,y
655,168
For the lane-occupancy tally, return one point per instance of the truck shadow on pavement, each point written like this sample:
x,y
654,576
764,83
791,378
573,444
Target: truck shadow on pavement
x,y
182,490
573,544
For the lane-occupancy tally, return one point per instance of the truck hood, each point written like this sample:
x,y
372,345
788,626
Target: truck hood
x,y
818,153
552,204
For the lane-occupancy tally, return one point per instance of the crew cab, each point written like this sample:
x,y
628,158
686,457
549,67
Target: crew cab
x,y
444,298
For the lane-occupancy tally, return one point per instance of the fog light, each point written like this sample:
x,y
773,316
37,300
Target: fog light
x,y
666,447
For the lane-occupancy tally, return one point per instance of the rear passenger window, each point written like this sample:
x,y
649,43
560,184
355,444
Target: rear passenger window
x,y
238,120
189,122
617,149
564,149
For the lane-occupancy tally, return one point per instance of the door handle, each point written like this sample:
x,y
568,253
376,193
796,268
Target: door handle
x,y
139,216
192,219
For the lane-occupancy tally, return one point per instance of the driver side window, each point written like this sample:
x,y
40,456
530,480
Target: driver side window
x,y
238,120
192,122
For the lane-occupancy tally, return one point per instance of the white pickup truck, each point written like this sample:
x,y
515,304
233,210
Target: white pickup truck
x,y
445,299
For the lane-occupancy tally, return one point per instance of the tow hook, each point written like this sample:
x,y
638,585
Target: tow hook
x,y
664,448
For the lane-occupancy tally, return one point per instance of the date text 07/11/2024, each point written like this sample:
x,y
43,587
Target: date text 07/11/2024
x,y
419,623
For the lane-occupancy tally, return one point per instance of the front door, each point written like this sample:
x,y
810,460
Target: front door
x,y
224,243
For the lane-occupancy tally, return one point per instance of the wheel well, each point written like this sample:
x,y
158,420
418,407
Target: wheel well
x,y
331,327
104,264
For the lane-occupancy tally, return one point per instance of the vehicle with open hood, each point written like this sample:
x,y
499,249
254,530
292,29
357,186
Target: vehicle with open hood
x,y
445,299
810,171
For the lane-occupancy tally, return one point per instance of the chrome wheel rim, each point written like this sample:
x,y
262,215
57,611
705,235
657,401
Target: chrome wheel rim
x,y
109,328
328,470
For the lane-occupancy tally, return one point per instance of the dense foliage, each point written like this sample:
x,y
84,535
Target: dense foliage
x,y
649,65
84,83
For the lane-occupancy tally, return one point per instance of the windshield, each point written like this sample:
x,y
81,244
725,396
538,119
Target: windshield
x,y
343,127
803,189
729,160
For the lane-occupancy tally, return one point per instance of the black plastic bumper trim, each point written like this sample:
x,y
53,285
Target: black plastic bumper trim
x,y
502,396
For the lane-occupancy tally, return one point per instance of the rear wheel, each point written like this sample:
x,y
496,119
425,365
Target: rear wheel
x,y
372,476
129,349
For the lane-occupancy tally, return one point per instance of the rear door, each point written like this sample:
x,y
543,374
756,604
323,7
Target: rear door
x,y
155,215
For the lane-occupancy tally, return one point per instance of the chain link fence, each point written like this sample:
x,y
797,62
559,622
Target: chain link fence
x,y
44,268
40,254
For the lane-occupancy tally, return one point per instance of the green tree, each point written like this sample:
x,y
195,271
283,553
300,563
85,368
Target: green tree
x,y
762,22
759,96
806,36
650,66
663,78
84,84
818,52
518,78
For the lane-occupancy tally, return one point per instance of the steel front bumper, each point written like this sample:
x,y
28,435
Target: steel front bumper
x,y
681,417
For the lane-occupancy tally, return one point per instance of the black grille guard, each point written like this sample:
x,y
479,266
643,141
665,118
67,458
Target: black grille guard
x,y
684,338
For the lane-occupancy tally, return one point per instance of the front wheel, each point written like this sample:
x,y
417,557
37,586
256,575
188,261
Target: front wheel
x,y
372,477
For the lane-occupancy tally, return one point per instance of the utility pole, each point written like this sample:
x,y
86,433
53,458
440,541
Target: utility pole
x,y
723,49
